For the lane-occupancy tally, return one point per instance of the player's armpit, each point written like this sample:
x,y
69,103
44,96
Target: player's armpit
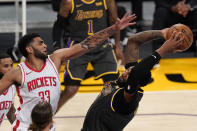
x,y
11,114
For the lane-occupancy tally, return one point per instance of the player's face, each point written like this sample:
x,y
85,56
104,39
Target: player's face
x,y
125,74
5,65
39,48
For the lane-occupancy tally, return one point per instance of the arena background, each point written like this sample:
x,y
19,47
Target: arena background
x,y
169,102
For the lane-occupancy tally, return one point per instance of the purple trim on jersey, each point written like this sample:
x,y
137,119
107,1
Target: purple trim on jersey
x,y
66,72
68,43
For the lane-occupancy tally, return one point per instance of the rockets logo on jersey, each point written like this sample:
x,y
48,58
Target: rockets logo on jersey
x,y
41,82
4,105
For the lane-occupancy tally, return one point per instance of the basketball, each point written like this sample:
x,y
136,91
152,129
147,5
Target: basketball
x,y
188,35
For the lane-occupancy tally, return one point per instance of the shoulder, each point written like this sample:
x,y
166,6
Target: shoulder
x,y
65,7
11,77
15,74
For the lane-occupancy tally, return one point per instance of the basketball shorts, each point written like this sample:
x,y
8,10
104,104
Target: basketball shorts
x,y
103,60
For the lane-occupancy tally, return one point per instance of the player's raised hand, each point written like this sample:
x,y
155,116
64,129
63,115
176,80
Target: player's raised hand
x,y
164,32
173,45
125,21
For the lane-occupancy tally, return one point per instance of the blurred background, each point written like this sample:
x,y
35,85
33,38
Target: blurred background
x,y
40,18
169,102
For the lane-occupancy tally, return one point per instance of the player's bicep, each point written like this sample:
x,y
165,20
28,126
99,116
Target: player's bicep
x,y
112,11
69,53
7,80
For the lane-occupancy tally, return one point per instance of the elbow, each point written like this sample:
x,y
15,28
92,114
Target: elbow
x,y
133,41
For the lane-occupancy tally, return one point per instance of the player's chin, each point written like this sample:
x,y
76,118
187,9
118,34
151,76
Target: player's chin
x,y
45,53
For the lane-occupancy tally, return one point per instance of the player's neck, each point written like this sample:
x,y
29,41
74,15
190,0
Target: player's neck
x,y
35,63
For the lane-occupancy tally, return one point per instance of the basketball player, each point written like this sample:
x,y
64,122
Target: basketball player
x,y
42,117
83,18
113,110
7,97
38,77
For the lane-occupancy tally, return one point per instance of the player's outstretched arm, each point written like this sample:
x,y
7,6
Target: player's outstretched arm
x,y
142,70
140,75
14,75
92,41
135,41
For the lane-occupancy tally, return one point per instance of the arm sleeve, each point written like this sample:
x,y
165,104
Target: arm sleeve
x,y
140,73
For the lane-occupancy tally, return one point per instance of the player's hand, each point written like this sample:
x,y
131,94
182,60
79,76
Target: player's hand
x,y
177,8
172,45
164,32
174,9
185,10
175,42
125,21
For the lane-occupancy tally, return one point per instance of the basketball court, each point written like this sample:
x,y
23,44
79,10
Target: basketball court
x,y
169,102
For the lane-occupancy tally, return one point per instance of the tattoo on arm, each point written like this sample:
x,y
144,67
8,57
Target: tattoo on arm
x,y
142,37
86,45
98,38
132,49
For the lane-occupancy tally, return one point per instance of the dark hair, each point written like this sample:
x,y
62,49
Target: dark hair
x,y
41,116
4,55
25,41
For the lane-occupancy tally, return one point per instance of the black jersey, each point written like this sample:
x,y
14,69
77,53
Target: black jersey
x,y
86,18
102,116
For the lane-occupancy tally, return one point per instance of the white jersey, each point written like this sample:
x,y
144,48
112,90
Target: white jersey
x,y
36,86
6,100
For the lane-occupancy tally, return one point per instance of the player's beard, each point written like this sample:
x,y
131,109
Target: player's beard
x,y
39,54
1,75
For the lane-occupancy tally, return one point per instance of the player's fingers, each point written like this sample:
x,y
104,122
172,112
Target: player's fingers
x,y
133,23
118,20
126,15
179,43
132,17
173,35
181,40
177,36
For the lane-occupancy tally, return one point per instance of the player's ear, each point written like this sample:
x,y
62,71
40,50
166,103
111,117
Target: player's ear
x,y
29,49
